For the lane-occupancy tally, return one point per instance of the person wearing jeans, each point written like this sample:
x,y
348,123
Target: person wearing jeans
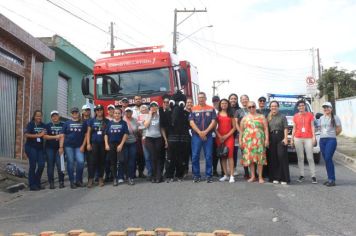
x,y
34,133
303,138
330,127
52,137
73,141
141,117
130,149
202,119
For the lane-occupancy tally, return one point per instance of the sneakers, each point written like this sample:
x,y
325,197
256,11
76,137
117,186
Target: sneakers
x,y
235,172
196,179
314,180
330,184
275,182
224,178
120,181
169,180
73,186
301,179
232,179
209,180
283,183
79,184
115,183
131,182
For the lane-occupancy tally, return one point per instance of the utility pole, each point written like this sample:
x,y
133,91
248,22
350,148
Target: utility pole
x,y
217,83
112,46
177,24
320,73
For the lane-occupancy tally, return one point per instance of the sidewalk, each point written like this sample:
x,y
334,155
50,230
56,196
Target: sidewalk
x,y
346,148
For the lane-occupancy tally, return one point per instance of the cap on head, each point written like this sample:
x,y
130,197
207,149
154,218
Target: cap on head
x,y
85,107
154,104
128,109
262,98
216,99
99,107
54,113
111,106
74,109
124,100
327,104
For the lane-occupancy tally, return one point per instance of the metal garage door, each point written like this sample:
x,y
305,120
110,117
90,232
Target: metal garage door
x,y
62,97
8,92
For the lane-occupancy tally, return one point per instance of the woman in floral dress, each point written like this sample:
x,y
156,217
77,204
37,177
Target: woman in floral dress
x,y
253,140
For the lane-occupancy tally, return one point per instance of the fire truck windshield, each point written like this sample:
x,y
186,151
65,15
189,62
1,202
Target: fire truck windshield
x,y
155,81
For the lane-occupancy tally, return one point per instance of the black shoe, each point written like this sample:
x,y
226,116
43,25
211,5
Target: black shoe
x,y
301,179
314,180
34,189
51,186
61,185
131,182
141,175
330,184
196,179
79,184
116,183
326,182
169,180
73,186
209,180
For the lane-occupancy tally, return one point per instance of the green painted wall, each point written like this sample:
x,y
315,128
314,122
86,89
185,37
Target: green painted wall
x,y
70,63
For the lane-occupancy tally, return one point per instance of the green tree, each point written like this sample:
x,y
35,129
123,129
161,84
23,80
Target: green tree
x,y
346,81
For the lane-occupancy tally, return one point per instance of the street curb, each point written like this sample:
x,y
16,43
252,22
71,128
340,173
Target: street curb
x,y
346,161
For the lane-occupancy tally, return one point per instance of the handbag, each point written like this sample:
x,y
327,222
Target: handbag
x,y
222,151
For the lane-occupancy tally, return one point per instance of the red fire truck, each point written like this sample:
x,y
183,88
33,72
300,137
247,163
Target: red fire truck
x,y
145,71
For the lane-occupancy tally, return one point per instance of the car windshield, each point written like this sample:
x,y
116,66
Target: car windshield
x,y
289,108
132,83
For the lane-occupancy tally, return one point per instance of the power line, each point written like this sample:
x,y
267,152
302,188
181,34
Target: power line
x,y
253,49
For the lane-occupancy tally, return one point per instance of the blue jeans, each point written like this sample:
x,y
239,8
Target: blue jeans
x,y
148,164
197,144
127,167
36,161
53,159
75,155
327,148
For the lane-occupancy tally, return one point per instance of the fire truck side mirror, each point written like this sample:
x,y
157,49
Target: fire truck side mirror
x,y
86,86
183,77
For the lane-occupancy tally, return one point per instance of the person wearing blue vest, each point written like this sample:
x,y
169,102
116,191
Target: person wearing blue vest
x,y
115,137
52,137
73,141
95,144
34,133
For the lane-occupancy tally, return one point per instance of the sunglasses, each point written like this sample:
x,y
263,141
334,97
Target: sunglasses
x,y
250,107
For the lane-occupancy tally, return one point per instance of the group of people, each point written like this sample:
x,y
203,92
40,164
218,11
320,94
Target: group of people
x,y
127,140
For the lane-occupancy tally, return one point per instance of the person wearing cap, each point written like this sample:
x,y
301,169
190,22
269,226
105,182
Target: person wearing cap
x,y
154,134
86,113
74,142
95,144
262,108
124,105
111,109
202,119
52,137
216,101
130,149
233,99
115,137
330,126
303,138
34,132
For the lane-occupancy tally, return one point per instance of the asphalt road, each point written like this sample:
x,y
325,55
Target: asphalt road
x,y
248,208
